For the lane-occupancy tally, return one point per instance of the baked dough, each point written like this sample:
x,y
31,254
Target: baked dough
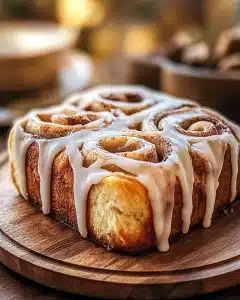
x,y
126,166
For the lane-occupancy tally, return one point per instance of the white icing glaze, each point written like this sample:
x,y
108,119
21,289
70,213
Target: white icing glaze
x,y
20,145
214,156
159,178
86,177
47,153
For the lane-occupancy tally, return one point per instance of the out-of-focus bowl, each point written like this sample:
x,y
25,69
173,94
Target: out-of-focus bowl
x,y
30,53
219,90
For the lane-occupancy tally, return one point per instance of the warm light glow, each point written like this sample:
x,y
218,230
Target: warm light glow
x,y
140,39
80,12
30,39
105,41
41,4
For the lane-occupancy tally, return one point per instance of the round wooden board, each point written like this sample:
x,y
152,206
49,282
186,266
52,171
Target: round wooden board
x,y
54,255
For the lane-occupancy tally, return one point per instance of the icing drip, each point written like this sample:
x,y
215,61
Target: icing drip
x,y
186,177
104,142
86,177
234,160
161,194
215,155
47,153
20,145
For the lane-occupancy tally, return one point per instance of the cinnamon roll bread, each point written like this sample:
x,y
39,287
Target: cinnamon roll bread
x,y
126,166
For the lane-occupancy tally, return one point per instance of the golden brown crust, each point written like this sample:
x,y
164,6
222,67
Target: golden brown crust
x,y
119,213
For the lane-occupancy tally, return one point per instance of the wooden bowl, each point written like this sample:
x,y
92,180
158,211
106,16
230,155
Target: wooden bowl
x,y
219,90
145,70
30,53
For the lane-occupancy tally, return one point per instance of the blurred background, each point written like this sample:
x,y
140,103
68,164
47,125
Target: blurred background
x,y
52,48
99,34
110,27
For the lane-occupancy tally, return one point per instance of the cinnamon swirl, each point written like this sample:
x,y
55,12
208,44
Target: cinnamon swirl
x,y
126,166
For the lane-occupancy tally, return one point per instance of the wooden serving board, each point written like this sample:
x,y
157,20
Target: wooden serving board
x,y
54,255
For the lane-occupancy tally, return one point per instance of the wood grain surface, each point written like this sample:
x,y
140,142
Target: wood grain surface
x,y
13,286
52,254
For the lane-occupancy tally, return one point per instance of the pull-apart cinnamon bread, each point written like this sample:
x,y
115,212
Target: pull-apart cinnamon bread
x,y
126,166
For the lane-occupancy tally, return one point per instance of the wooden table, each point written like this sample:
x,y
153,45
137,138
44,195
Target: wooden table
x,y
14,286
